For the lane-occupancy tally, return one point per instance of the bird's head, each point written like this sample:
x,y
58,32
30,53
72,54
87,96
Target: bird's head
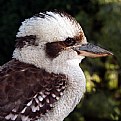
x,y
51,36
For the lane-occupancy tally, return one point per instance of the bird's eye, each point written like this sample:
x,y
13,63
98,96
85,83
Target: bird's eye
x,y
69,41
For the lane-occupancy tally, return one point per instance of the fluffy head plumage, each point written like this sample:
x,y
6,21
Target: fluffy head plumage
x,y
50,26
41,40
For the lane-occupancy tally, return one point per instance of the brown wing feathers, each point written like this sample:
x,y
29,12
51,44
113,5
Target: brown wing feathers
x,y
27,92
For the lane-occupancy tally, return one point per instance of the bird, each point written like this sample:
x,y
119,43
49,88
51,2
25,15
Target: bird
x,y
43,81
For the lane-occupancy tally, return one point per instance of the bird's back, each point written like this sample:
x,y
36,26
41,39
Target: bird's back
x,y
27,92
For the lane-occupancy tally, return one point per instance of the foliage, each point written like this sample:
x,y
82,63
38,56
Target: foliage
x,y
101,21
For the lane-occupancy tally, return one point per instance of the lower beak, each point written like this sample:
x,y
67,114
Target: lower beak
x,y
91,50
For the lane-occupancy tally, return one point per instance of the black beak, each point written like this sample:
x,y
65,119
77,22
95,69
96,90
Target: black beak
x,y
91,50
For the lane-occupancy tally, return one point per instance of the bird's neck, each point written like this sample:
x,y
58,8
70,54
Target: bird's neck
x,y
73,93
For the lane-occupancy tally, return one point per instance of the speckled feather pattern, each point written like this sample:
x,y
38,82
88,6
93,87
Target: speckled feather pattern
x,y
26,92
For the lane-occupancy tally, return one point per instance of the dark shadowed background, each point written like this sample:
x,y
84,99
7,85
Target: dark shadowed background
x,y
101,22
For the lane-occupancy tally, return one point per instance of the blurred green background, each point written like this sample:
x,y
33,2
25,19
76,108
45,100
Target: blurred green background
x,y
101,22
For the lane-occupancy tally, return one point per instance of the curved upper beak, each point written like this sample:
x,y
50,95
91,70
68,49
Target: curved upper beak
x,y
91,50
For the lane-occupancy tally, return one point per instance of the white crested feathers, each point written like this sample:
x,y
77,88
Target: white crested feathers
x,y
53,27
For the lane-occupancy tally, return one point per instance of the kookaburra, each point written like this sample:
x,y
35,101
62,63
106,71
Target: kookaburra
x,y
43,81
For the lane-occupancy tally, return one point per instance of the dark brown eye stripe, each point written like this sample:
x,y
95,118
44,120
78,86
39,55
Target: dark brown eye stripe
x,y
53,48
26,40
